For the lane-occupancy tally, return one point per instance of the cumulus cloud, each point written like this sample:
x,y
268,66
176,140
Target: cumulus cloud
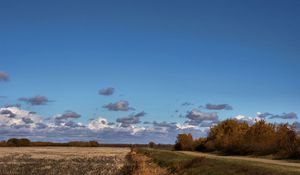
x,y
13,117
118,106
64,129
4,76
218,107
107,91
68,115
73,124
247,119
16,122
290,115
131,120
8,113
196,117
27,120
263,115
36,100
98,123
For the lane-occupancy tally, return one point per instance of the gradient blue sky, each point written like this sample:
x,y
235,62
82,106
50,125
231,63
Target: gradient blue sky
x,y
156,54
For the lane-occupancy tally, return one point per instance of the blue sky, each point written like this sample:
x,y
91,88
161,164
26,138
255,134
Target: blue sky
x,y
155,54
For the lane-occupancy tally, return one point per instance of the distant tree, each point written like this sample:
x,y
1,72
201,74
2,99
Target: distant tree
x,y
12,142
18,142
93,143
151,144
24,142
3,143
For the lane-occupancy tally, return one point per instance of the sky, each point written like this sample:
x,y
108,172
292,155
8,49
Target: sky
x,y
136,71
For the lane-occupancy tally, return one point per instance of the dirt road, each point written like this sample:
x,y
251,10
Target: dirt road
x,y
252,159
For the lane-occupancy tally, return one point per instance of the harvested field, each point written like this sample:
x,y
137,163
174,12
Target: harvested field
x,y
62,160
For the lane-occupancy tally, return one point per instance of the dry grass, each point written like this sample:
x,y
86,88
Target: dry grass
x,y
62,160
182,164
143,165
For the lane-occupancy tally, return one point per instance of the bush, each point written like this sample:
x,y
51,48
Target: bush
x,y
18,142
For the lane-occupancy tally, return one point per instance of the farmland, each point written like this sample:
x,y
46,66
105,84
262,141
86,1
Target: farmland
x,y
62,160
140,161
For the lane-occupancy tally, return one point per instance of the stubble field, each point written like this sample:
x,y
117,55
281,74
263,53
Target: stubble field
x,y
63,160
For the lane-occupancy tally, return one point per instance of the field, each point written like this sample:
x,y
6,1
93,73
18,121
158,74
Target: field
x,y
180,163
62,160
141,161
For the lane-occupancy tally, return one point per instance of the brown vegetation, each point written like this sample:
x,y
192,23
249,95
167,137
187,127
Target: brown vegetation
x,y
234,137
143,165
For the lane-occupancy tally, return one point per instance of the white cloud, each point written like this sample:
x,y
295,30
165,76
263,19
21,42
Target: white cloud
x,y
19,118
98,124
22,123
250,120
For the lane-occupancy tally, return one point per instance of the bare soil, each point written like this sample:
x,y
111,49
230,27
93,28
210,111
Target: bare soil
x,y
62,160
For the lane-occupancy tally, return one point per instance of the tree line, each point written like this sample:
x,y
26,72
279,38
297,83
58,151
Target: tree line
x,y
23,142
233,137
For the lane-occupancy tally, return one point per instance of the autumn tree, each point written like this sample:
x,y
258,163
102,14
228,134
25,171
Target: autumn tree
x,y
261,138
184,142
228,136
287,143
199,144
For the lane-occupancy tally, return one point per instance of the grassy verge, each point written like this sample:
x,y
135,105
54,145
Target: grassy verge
x,y
181,164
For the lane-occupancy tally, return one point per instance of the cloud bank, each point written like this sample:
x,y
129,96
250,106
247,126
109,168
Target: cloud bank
x,y
16,122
